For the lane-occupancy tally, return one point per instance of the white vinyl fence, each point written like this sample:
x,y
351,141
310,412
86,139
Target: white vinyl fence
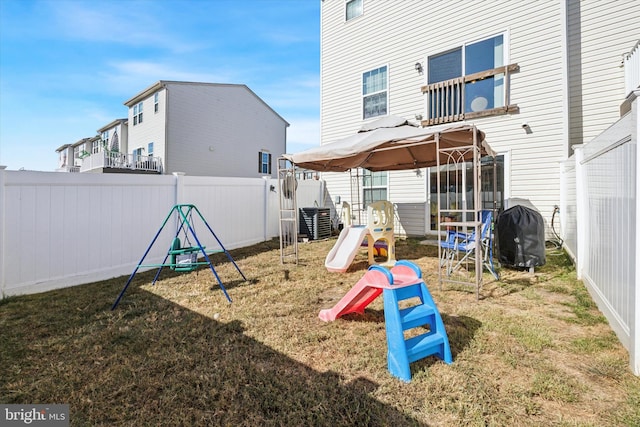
x,y
600,224
66,229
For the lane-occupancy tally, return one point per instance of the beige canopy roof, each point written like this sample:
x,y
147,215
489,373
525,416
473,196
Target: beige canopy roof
x,y
392,143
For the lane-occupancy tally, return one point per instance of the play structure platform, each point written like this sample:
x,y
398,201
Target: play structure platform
x,y
379,229
402,283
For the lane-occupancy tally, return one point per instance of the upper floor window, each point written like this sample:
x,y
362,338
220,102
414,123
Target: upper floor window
x,y
468,81
137,113
264,162
374,186
155,103
95,146
150,149
104,138
353,9
374,93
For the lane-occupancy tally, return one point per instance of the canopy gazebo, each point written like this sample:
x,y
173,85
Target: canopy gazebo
x,y
388,144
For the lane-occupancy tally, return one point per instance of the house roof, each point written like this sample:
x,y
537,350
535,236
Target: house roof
x,y
392,143
164,83
113,124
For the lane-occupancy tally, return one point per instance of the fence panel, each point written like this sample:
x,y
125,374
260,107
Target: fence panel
x,y
607,218
64,229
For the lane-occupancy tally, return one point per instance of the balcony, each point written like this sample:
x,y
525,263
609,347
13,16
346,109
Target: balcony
x,y
106,162
447,100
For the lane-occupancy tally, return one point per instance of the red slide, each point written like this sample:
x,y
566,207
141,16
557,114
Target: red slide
x,y
368,288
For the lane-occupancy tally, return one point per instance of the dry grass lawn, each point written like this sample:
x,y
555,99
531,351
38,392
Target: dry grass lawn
x,y
533,351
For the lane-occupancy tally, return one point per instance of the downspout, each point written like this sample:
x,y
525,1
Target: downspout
x,y
166,128
3,252
565,78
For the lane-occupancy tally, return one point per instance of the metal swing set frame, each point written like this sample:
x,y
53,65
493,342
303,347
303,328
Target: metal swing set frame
x,y
183,258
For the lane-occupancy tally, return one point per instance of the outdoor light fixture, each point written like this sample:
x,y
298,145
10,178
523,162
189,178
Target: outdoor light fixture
x,y
418,67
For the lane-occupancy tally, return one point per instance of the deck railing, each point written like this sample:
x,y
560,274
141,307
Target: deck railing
x,y
446,99
106,159
631,63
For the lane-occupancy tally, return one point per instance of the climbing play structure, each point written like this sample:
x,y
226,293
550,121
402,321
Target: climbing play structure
x,y
401,286
379,235
182,254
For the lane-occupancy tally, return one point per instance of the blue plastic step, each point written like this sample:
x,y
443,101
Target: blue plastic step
x,y
424,345
418,315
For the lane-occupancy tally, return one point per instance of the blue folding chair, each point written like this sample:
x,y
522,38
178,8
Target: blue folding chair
x,y
459,248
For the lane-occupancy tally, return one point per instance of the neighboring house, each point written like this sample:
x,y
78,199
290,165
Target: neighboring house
x,y
536,77
206,129
203,129
71,156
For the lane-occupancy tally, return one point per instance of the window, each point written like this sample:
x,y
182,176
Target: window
x,y
374,186
95,146
468,80
137,154
155,103
150,149
374,93
104,139
264,162
353,9
137,113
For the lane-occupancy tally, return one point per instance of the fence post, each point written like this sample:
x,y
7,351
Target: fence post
x,y
634,345
179,184
582,212
265,223
3,252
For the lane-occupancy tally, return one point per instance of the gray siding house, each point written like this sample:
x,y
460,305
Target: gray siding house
x,y
206,129
201,129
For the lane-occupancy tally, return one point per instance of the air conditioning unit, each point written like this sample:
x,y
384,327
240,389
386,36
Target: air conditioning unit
x,y
315,223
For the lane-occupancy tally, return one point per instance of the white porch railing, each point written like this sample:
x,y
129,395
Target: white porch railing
x,y
105,159
631,62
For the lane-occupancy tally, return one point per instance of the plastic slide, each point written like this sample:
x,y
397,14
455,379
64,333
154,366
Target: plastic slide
x,y
356,300
370,286
341,255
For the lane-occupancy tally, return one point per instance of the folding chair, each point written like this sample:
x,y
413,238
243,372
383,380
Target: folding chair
x,y
459,248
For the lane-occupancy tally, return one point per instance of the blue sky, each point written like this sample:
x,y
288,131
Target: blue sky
x,y
67,66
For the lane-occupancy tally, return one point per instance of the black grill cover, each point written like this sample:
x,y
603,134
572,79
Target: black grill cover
x,y
521,237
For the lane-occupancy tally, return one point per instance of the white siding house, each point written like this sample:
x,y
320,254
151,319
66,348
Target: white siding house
x,y
564,84
206,129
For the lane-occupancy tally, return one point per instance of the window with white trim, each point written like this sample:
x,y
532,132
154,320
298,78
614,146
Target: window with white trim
x,y
352,9
137,154
150,149
95,146
374,186
104,139
137,113
156,106
375,95
264,162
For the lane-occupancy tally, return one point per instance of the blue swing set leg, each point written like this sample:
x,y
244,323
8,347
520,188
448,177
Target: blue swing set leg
x,y
184,220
